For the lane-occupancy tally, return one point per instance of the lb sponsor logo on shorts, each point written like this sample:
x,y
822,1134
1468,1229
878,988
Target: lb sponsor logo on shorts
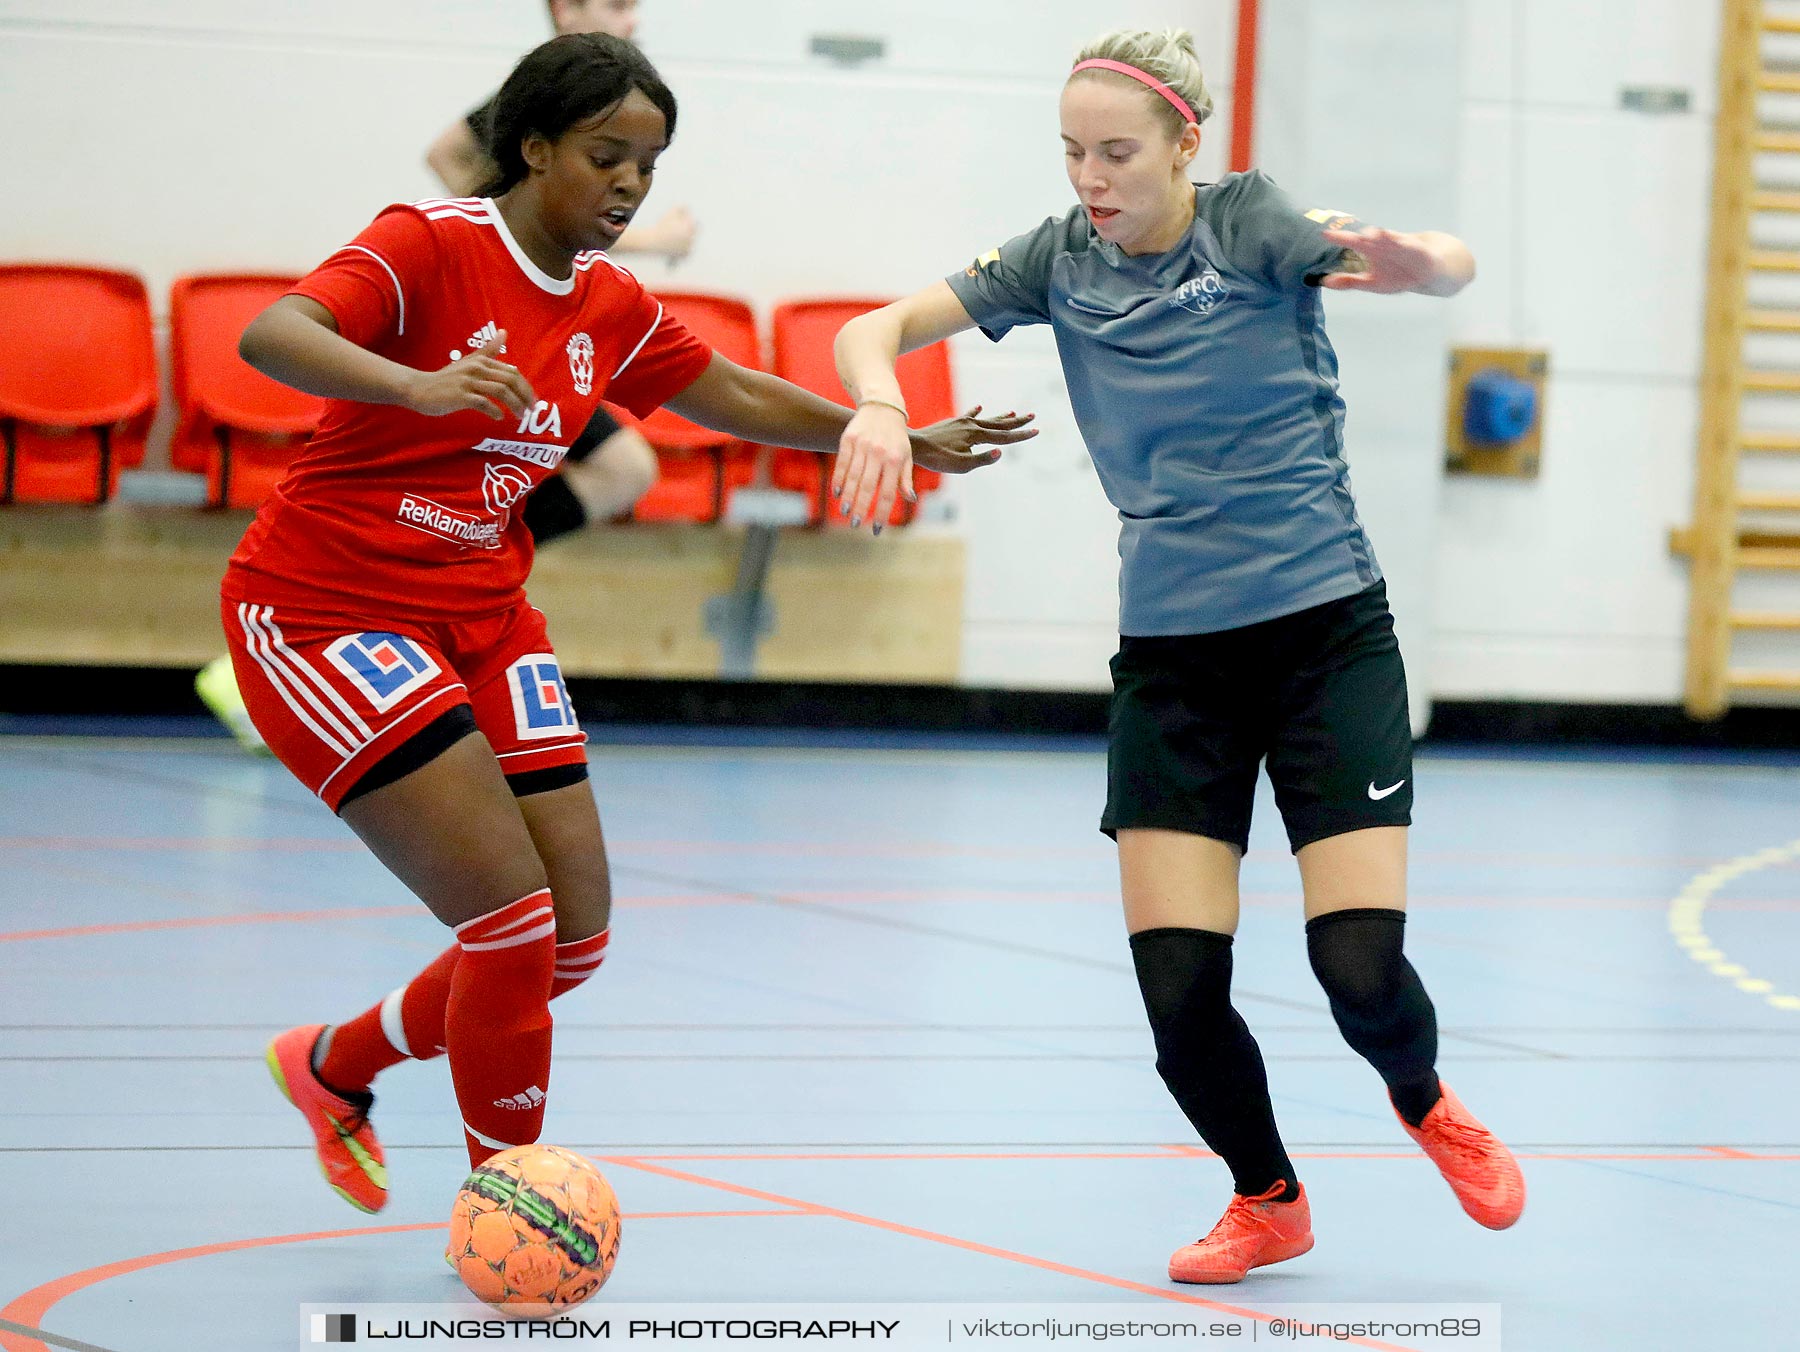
x,y
540,700
385,667
463,528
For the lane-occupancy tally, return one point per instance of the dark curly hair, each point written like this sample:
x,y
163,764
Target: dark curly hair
x,y
567,80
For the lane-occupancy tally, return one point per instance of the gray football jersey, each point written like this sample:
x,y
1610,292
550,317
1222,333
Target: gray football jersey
x,y
1207,394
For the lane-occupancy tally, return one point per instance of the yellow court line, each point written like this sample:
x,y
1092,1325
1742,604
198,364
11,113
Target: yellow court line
x,y
1688,909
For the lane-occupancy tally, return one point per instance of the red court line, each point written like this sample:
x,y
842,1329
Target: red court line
x,y
31,1307
210,921
295,918
1690,1157
1157,1153
711,1215
876,897
969,1245
874,850
929,848
213,844
1706,1154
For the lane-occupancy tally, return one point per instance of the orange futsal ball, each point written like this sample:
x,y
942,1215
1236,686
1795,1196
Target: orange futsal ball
x,y
535,1231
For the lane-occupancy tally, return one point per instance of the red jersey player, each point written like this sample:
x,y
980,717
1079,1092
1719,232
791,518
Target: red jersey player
x,y
375,609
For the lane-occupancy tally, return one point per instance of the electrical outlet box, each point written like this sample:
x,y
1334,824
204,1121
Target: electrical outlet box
x,y
1495,413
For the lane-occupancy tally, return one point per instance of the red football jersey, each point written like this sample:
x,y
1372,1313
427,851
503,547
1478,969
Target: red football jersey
x,y
418,514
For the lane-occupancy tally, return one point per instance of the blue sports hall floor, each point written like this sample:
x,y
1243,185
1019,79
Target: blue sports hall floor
x,y
868,1032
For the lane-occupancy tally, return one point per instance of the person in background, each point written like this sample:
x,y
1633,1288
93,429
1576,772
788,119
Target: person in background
x,y
610,465
460,160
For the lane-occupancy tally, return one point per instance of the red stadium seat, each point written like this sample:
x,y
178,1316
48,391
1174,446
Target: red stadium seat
x,y
237,426
689,457
77,381
804,331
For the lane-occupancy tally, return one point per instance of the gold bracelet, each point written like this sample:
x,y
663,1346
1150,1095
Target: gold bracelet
x,y
886,403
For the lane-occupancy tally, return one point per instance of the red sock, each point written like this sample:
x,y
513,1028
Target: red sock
x,y
409,1024
577,960
497,1023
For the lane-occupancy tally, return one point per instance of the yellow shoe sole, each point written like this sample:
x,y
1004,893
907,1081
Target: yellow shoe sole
x,y
281,1083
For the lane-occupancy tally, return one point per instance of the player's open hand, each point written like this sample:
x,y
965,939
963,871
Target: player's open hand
x,y
479,381
949,446
874,462
1387,262
877,453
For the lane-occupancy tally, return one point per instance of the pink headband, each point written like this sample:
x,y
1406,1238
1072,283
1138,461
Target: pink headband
x,y
1143,78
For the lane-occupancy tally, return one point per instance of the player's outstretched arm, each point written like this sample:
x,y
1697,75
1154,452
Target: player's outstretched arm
x,y
296,342
876,446
765,409
670,236
458,160
1429,262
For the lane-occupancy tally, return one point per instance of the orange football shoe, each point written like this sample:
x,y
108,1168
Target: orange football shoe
x,y
1253,1232
349,1155
1479,1169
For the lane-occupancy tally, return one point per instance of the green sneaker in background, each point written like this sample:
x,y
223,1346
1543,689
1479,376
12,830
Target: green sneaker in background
x,y
216,684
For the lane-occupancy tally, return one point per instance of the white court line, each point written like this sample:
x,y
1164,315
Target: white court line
x,y
1689,907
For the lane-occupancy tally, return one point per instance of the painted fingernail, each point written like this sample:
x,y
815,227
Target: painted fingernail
x,y
878,530
856,521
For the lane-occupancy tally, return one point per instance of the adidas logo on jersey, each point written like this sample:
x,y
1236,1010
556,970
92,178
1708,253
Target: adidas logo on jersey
x,y
478,340
531,1098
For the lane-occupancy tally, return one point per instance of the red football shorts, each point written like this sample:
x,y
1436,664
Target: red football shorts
x,y
334,694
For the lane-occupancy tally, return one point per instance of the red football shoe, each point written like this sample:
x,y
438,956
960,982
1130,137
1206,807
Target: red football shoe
x,y
1479,1169
349,1155
1253,1232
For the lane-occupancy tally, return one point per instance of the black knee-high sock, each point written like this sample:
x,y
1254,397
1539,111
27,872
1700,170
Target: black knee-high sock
x,y
1378,1001
1206,1056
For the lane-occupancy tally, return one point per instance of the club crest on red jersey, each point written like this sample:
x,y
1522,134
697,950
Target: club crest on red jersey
x,y
581,363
